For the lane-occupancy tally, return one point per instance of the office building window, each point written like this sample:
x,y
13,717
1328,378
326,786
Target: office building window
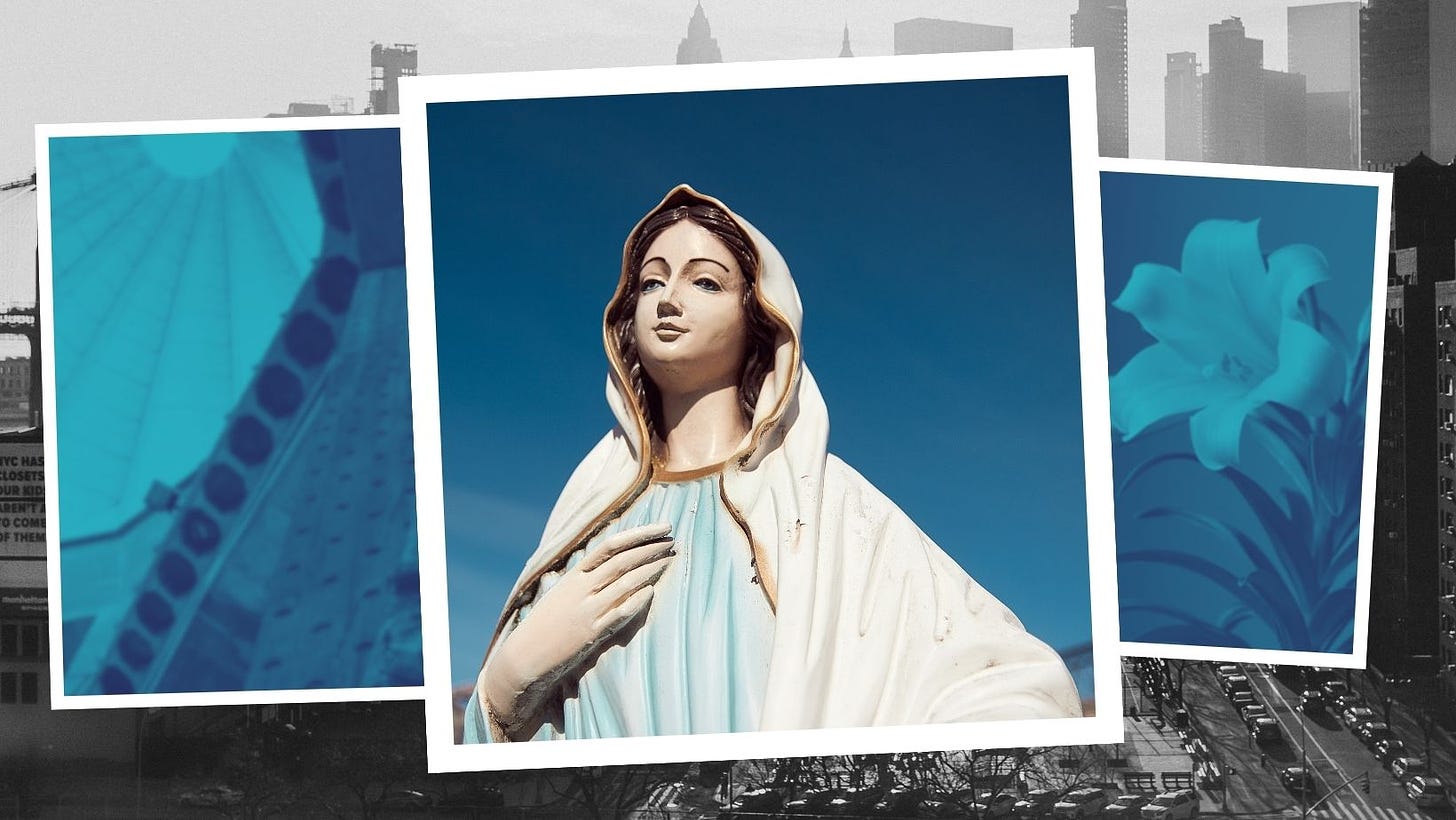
x,y
22,640
19,687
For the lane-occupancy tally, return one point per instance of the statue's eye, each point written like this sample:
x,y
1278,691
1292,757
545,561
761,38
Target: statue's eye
x,y
708,285
651,284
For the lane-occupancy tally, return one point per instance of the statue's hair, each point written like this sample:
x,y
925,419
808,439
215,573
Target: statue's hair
x,y
757,361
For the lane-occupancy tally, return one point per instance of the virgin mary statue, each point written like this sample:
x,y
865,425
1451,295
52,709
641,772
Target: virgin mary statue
x,y
710,567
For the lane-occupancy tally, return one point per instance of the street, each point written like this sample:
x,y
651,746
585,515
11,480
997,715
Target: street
x,y
1337,759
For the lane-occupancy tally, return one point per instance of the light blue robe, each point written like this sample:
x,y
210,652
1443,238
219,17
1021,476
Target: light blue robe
x,y
699,663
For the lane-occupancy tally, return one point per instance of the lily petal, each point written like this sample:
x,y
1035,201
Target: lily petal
x,y
1158,383
1199,319
1217,429
1294,269
1311,373
1223,259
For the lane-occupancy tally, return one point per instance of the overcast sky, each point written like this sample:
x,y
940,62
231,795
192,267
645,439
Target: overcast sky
x,y
68,61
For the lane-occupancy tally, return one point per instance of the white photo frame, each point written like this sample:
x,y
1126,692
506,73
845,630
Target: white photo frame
x,y
419,94
1380,184
45,134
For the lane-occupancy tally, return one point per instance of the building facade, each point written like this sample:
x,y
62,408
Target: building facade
x,y
1233,95
32,734
1286,116
1324,46
386,65
924,35
15,387
1408,81
1183,108
1102,24
1405,484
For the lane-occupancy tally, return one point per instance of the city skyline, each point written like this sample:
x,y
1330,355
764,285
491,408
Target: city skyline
x,y
178,69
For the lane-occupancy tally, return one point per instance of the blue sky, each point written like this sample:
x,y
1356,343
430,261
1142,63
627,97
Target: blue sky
x,y
929,230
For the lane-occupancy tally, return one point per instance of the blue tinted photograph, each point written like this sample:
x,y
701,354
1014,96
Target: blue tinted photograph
x,y
836,476
232,413
1238,325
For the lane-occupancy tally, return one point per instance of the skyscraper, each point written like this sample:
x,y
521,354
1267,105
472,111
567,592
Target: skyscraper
x,y
1285,118
699,46
844,50
387,65
1102,24
1408,81
1183,108
1233,95
924,35
1324,46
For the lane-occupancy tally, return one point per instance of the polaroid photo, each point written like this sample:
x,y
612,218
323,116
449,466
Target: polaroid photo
x,y
226,401
1246,319
697,564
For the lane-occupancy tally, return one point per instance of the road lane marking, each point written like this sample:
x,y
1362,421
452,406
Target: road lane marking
x,y
1274,688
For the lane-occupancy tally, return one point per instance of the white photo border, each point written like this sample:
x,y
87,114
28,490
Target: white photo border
x,y
1383,183
416,93
44,133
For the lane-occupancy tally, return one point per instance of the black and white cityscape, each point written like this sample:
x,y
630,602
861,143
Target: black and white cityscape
x,y
1357,84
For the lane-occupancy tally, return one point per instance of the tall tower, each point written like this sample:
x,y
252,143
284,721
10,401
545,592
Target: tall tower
x,y
699,46
844,47
1233,95
1324,46
386,66
1408,81
1286,118
1183,108
1102,24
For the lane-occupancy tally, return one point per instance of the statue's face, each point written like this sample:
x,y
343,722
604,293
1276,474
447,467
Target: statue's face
x,y
690,326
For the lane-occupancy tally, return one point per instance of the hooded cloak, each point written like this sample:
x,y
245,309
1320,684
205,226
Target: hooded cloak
x,y
874,624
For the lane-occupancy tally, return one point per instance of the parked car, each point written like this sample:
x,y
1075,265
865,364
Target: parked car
x,y
1225,670
858,801
1081,803
1172,806
1312,701
940,804
1386,751
813,801
1348,700
1000,804
1235,683
899,801
1372,732
758,800
1428,792
1404,768
1241,698
1126,805
1356,715
1334,688
1036,803
1299,781
1264,730
1252,711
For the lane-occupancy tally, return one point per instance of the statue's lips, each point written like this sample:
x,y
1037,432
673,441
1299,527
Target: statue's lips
x,y
667,332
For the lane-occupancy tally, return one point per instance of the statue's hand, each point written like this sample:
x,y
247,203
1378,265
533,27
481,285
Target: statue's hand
x,y
588,604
